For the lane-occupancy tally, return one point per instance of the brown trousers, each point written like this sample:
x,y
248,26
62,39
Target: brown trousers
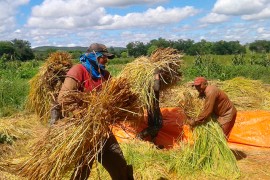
x,y
111,158
227,127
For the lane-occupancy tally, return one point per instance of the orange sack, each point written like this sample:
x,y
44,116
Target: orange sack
x,y
251,128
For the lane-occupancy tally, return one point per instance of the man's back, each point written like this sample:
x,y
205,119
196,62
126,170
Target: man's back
x,y
222,106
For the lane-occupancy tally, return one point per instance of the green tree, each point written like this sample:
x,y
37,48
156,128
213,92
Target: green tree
x,y
160,43
183,45
23,51
202,47
136,49
7,50
124,54
231,47
260,46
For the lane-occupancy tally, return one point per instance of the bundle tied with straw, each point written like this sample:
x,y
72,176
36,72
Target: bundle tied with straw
x,y
209,150
140,73
81,135
45,85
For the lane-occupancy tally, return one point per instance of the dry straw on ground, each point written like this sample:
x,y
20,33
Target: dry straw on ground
x,y
10,131
247,94
45,85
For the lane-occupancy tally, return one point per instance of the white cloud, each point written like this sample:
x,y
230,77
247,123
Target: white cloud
x,y
64,8
263,33
152,17
18,31
260,30
213,18
8,11
65,14
74,15
243,32
264,14
122,3
239,7
265,36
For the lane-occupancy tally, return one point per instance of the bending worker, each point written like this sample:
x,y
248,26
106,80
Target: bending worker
x,y
217,104
88,76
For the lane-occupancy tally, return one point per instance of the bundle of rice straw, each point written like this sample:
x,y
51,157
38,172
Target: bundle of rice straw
x,y
209,151
83,133
140,73
247,94
45,85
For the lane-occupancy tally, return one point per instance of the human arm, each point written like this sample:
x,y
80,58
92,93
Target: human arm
x,y
71,83
210,100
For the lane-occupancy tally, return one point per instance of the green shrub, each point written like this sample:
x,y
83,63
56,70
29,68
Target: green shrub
x,y
12,95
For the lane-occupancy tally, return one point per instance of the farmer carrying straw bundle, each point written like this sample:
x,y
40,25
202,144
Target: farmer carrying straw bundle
x,y
216,104
86,77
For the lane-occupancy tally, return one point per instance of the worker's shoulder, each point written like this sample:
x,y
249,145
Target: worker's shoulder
x,y
212,89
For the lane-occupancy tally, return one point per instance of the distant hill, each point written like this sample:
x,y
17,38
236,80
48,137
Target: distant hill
x,y
75,48
45,48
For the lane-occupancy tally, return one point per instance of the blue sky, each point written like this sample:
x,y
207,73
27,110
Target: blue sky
x,y
118,22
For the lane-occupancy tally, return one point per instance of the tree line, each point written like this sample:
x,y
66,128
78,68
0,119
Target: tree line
x,y
203,47
21,50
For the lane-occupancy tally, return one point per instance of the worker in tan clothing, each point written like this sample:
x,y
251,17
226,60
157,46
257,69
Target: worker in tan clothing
x,y
216,104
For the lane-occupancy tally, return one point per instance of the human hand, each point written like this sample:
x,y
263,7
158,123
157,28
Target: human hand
x,y
191,122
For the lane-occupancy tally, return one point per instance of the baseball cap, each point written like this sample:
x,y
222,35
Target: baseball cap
x,y
100,48
199,81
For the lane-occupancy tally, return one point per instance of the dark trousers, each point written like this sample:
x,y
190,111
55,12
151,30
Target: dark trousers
x,y
111,158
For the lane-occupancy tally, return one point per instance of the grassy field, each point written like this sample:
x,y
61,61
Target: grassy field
x,y
14,76
148,162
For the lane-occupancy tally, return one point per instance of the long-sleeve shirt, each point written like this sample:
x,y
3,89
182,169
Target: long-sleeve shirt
x,y
217,103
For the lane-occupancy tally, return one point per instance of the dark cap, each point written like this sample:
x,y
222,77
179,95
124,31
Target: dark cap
x,y
100,48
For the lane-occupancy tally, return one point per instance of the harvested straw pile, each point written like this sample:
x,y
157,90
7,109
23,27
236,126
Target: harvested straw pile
x,y
170,68
152,163
247,94
45,85
82,134
209,150
140,73
10,131
25,129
